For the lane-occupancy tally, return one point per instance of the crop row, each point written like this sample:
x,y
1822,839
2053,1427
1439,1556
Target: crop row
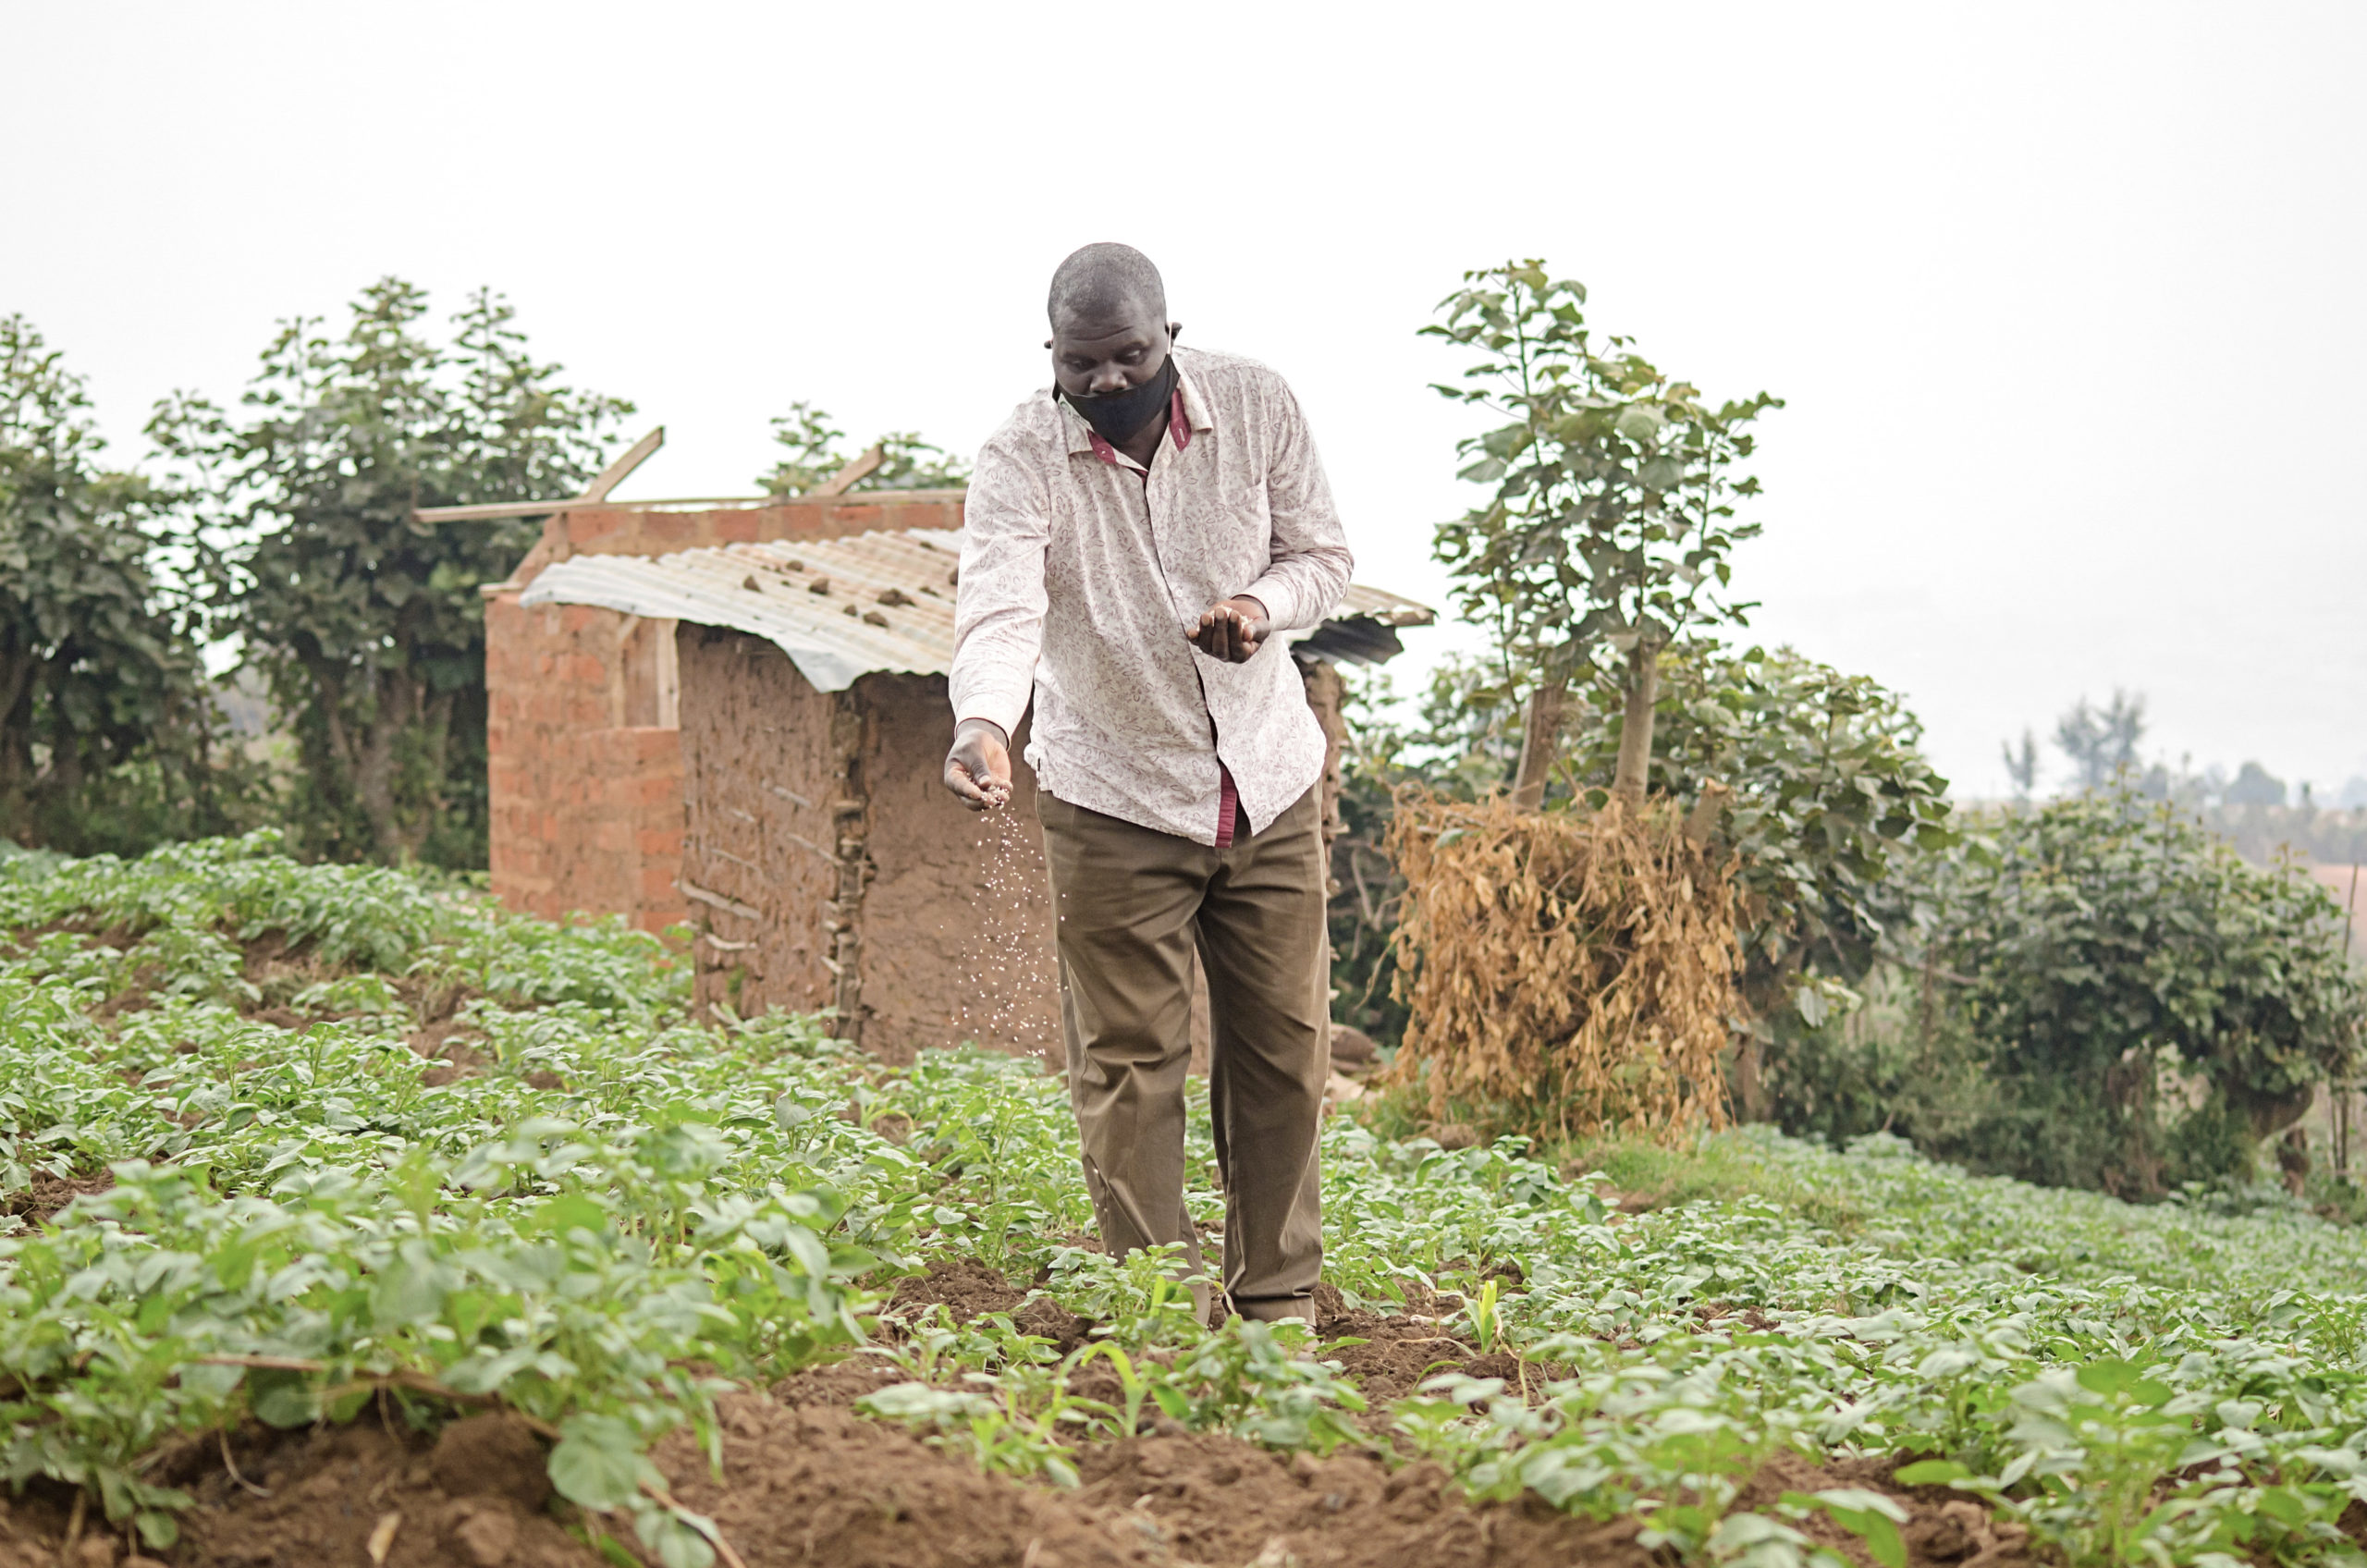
x,y
600,1214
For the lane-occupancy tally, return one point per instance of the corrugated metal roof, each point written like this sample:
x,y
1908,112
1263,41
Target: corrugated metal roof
x,y
840,608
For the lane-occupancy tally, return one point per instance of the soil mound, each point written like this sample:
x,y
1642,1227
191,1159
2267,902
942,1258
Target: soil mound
x,y
40,1202
1401,1351
841,1383
1943,1525
823,1486
969,1289
963,1286
491,1455
473,1498
819,1485
813,1483
1220,1500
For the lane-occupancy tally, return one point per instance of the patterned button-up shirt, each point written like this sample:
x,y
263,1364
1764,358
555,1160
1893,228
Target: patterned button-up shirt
x,y
1078,576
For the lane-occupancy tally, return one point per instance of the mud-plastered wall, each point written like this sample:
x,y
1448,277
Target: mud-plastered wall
x,y
584,782
957,924
760,841
827,866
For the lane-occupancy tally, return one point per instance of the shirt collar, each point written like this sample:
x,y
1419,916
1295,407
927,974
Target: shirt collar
x,y
1187,415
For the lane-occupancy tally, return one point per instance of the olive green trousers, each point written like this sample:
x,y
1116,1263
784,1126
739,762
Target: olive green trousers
x,y
1132,902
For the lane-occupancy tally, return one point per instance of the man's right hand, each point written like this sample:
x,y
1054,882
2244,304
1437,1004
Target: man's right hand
x,y
978,768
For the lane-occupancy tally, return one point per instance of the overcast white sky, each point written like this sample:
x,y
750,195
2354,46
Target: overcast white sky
x,y
2066,299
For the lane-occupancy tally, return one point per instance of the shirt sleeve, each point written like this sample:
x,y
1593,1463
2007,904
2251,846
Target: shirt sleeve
x,y
1310,567
999,603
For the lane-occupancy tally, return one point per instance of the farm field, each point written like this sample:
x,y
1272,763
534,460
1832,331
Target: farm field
x,y
355,1221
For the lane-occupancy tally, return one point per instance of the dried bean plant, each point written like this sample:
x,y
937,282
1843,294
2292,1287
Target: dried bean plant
x,y
1569,972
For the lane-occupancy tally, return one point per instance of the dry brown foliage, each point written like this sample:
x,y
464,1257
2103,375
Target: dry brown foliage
x,y
1571,972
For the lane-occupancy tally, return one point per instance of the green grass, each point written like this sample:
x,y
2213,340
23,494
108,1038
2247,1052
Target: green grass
x,y
1718,1169
695,1208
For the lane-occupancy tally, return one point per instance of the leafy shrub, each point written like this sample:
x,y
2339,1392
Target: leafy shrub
x,y
2108,997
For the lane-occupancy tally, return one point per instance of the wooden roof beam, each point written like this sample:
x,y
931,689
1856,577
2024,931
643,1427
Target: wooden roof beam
x,y
593,494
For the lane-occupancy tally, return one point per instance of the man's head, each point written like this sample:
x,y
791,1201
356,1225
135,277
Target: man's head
x,y
1110,325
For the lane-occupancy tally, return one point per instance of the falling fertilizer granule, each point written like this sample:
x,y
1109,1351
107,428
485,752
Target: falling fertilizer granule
x,y
1009,968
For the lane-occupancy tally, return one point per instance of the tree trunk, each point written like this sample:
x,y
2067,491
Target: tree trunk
x,y
1636,727
377,759
1750,1081
16,747
1540,740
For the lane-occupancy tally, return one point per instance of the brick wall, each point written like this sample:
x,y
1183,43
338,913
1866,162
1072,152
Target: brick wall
x,y
586,807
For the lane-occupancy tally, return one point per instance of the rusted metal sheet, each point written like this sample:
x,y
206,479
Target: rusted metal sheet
x,y
840,608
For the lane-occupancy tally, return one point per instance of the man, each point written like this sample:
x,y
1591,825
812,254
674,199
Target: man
x,y
1137,536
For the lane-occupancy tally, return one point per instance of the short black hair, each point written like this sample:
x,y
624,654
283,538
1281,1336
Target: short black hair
x,y
1103,276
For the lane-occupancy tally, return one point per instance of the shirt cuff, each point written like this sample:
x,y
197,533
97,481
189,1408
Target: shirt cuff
x,y
1280,599
999,696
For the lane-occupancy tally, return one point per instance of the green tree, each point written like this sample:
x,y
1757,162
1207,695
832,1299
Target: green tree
x,y
104,721
1613,511
2255,785
364,619
2022,766
1816,780
2102,742
814,456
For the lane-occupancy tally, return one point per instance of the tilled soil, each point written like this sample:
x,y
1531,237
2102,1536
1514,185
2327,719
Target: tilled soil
x,y
1401,1351
968,1290
820,1485
1941,1526
805,1481
475,1497
1217,1499
39,1204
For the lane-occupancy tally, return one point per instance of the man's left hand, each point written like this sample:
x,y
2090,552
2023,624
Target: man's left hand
x,y
1231,630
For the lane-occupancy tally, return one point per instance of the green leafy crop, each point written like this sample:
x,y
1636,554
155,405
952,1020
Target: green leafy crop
x,y
602,1215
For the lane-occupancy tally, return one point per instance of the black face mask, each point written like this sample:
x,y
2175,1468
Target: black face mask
x,y
1117,416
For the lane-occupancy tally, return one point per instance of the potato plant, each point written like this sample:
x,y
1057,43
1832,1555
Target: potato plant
x,y
599,1214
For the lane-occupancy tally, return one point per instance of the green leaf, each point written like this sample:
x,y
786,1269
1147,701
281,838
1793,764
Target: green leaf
x,y
1881,1536
282,1399
2108,1377
596,1463
1931,1473
569,1212
1870,1515
1640,421
675,1540
409,1290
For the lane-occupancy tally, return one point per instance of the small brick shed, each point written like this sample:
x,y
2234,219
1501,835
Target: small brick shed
x,y
736,718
